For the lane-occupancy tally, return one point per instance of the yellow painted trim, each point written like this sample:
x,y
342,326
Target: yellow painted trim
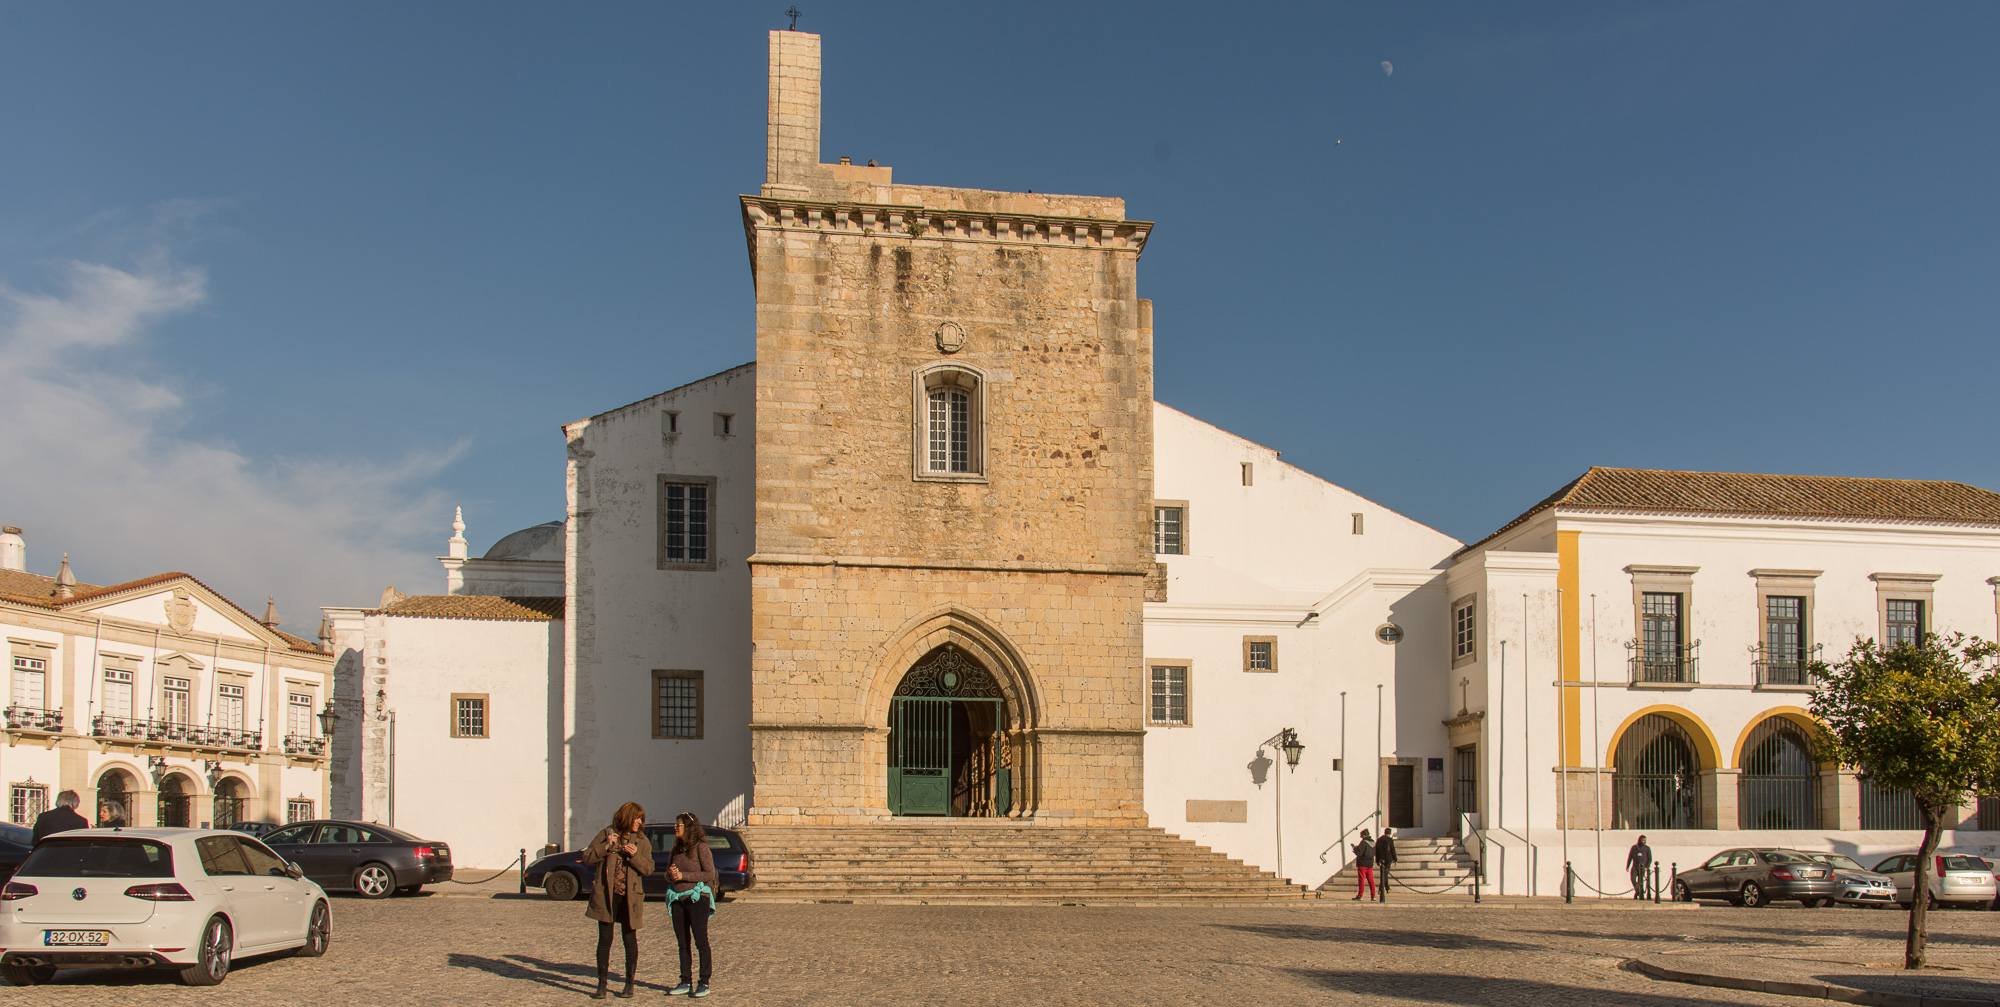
x,y
1796,714
1706,750
1569,580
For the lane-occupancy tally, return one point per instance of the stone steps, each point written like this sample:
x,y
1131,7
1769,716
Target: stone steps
x,y
995,860
1431,865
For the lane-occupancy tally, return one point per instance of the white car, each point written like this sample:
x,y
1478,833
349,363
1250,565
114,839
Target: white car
x,y
184,899
1956,880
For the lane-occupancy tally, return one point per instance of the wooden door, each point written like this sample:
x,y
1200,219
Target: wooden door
x,y
1402,797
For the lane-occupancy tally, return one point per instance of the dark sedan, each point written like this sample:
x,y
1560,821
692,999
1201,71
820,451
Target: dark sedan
x,y
373,861
563,876
1756,877
15,843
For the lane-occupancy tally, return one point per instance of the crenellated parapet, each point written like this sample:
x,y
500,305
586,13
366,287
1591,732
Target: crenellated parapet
x,y
871,219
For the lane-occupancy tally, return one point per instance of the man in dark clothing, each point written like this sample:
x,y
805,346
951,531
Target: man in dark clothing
x,y
61,818
1639,861
1364,866
1385,856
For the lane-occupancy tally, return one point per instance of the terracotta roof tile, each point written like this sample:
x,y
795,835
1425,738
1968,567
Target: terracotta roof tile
x,y
463,606
35,589
1750,495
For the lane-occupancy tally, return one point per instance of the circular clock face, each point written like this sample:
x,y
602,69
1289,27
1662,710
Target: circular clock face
x,y
1389,632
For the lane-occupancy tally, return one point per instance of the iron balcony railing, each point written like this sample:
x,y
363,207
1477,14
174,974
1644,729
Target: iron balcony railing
x,y
1655,663
299,744
29,718
171,732
1786,667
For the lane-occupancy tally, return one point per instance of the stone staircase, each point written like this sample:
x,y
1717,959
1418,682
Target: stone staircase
x,y
1429,866
960,860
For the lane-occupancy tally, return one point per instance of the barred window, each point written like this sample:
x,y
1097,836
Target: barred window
x,y
677,706
1260,653
951,430
947,435
30,683
687,509
1167,525
468,715
1170,694
28,801
1462,636
297,810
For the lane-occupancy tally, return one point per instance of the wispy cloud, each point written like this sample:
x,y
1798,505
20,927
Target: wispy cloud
x,y
94,461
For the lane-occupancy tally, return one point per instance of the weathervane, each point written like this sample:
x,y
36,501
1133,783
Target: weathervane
x,y
793,12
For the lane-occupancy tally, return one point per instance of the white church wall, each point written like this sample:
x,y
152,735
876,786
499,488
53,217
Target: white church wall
x,y
631,618
1261,558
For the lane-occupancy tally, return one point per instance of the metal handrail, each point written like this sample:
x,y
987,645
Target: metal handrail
x,y
1795,667
1376,815
1677,667
174,732
34,718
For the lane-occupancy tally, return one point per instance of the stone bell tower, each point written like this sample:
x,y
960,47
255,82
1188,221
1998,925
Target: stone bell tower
x,y
954,471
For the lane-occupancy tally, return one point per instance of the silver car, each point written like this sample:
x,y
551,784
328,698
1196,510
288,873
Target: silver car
x,y
1957,879
1859,886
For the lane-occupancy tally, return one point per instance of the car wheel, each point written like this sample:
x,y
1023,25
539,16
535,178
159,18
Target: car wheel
x,y
1682,893
1753,896
319,932
374,881
212,958
560,885
27,975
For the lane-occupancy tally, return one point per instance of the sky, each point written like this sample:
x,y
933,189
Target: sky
x,y
281,285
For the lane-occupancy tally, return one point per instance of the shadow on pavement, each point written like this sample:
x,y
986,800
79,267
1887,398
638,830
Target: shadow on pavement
x,y
1928,984
1670,938
1484,991
561,975
1385,936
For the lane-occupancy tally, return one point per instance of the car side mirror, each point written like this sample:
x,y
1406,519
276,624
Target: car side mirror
x,y
292,871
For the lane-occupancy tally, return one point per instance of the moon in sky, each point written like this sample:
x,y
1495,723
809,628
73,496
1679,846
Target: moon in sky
x,y
1388,68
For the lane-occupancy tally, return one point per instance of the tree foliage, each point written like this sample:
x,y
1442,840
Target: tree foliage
x,y
1918,717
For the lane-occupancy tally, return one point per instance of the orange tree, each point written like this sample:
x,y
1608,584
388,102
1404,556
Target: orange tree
x,y
1920,717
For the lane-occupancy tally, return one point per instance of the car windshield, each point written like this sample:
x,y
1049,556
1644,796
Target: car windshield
x,y
1786,857
1964,864
1836,860
98,858
17,834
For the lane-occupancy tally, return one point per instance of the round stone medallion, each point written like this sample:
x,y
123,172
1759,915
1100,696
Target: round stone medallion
x,y
950,338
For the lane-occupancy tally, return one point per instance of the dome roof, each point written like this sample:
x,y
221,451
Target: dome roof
x,y
543,542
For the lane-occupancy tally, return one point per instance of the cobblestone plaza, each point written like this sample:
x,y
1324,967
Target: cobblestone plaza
x,y
476,948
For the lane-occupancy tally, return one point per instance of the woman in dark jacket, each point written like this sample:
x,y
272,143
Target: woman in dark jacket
x,y
691,887
623,859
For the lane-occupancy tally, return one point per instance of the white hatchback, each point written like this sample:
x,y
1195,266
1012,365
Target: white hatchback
x,y
1957,880
185,899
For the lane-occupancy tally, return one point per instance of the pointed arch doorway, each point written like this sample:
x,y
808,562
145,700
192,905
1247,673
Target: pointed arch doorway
x,y
947,749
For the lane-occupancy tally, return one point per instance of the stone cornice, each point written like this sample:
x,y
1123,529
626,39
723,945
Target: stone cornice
x,y
889,220
912,563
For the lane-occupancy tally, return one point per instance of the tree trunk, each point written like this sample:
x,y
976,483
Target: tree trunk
x,y
1920,890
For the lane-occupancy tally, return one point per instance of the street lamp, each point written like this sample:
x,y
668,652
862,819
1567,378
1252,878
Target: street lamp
x,y
327,718
1288,740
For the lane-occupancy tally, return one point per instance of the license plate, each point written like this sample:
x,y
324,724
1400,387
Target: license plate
x,y
75,938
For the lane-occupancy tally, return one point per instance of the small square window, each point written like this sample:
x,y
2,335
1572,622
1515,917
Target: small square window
x,y
670,422
468,715
677,704
1357,522
1169,695
1260,653
29,800
725,424
297,810
1248,472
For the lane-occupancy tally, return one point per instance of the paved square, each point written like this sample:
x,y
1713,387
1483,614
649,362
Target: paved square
x,y
472,948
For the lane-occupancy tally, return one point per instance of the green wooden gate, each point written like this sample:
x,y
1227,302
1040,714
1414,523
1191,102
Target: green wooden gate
x,y
925,774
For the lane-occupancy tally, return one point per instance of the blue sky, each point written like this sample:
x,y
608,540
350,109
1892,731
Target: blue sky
x,y
279,284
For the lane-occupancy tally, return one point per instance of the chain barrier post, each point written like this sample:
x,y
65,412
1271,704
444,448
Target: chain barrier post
x,y
524,871
1673,871
1656,884
1569,883
1478,875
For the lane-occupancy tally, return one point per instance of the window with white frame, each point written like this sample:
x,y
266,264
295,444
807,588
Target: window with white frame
x,y
298,810
949,441
1169,694
30,683
1170,529
27,801
1463,636
299,715
176,706
229,707
118,693
686,525
468,715
677,707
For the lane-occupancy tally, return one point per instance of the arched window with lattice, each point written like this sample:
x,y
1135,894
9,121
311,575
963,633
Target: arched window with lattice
x,y
949,432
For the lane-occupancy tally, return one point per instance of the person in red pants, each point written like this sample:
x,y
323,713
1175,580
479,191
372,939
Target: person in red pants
x,y
1364,866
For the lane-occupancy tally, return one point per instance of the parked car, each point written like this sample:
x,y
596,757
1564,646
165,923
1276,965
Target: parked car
x,y
563,876
15,842
190,900
255,828
1956,880
374,861
1858,886
1756,877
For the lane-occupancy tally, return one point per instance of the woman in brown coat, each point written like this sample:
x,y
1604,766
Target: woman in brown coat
x,y
623,859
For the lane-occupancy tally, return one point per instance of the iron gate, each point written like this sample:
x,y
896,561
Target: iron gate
x,y
1779,785
946,746
1656,782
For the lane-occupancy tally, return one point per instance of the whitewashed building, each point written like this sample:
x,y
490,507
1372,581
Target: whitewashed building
x,y
157,700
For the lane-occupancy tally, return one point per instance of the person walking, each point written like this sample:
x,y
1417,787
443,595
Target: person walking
x,y
1385,855
110,815
691,886
1639,861
623,858
1364,866
61,818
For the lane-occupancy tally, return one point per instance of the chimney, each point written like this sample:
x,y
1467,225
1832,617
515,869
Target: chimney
x,y
455,546
326,632
13,550
65,580
270,619
791,144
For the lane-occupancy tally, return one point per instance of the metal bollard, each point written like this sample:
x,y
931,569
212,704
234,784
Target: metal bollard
x,y
1673,870
1569,883
1478,875
524,871
1656,884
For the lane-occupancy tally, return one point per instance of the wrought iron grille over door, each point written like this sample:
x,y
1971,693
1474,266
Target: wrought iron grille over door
x,y
1779,785
1465,792
1656,780
946,754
